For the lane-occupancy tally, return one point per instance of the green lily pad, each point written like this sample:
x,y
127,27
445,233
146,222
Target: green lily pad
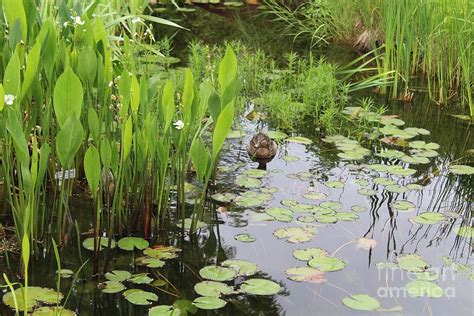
x,y
236,134
277,135
402,205
461,169
289,203
243,267
118,275
255,173
314,195
428,218
248,238
396,188
377,167
327,264
248,182
140,278
346,216
305,274
415,159
295,234
65,273
280,214
366,192
309,253
260,287
334,184
465,231
35,296
141,297
333,205
299,140
224,197
52,311
162,252
129,243
88,243
290,158
209,303
362,182
351,155
152,262
414,186
412,263
388,120
112,287
306,219
358,208
270,190
391,154
215,273
212,288
400,170
326,219
303,208
361,302
420,288
419,144
163,310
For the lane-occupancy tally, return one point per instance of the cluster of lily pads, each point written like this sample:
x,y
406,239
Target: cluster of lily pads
x,y
39,300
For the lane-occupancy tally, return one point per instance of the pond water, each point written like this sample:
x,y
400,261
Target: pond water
x,y
299,169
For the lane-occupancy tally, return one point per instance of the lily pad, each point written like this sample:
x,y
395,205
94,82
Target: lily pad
x,y
260,287
465,231
305,274
112,287
412,263
224,197
326,219
400,170
346,216
36,296
162,252
461,169
327,264
65,273
141,297
248,182
209,303
299,140
358,208
129,243
402,205
309,253
333,205
289,203
295,234
290,158
366,192
52,311
248,238
414,186
118,275
420,288
255,173
140,278
163,310
280,214
314,195
396,188
216,273
212,288
334,184
152,262
88,243
277,135
243,267
428,218
361,302
306,219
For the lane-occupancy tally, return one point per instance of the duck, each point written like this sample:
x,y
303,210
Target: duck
x,y
262,149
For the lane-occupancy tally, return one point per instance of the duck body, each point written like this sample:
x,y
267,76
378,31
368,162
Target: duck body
x,y
262,149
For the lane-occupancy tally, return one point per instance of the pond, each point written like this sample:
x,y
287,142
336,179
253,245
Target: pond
x,y
320,227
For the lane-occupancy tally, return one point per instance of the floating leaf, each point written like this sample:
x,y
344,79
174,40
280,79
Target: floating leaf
x,y
88,243
65,273
309,253
306,219
383,181
396,188
163,310
209,303
327,219
465,231
299,140
305,274
414,186
141,297
216,273
419,144
36,296
391,154
162,252
366,192
314,195
303,208
327,264
362,182
245,238
280,214
461,169
212,288
52,311
224,197
129,243
402,205
277,135
248,182
361,302
346,216
420,288
290,158
334,184
118,275
152,262
243,267
358,208
428,218
295,234
427,276
260,287
255,173
140,278
112,287
289,203
400,170
412,263
333,205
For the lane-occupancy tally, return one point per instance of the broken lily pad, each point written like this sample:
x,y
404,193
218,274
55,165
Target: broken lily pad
x,y
309,253
118,275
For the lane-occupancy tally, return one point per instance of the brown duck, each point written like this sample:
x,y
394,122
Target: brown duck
x,y
262,149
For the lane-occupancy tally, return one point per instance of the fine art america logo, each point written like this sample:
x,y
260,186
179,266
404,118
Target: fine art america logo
x,y
417,283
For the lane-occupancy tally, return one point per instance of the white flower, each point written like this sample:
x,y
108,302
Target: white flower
x,y
65,24
9,99
111,83
178,124
78,20
137,20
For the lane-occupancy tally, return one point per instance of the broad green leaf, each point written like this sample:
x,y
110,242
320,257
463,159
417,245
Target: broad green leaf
x,y
68,96
69,140
361,302
2,97
88,243
327,264
212,288
222,128
412,263
260,287
167,104
14,10
243,267
118,275
87,66
32,61
112,287
227,69
141,297
14,128
209,303
129,243
423,288
11,77
200,157
247,238
127,138
52,311
92,168
216,273
305,274
135,95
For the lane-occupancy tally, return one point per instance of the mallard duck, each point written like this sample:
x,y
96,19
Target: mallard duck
x,y
262,149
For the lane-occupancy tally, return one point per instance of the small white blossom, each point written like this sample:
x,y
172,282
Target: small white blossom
x,y
178,124
9,99
78,20
65,24
111,83
137,20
